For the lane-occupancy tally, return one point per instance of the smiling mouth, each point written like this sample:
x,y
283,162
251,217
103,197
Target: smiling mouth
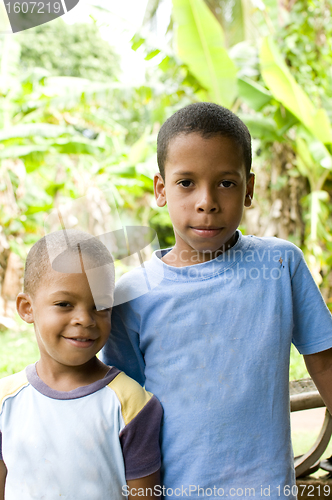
x,y
79,341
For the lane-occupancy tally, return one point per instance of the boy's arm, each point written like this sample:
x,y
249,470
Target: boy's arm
x,y
122,348
145,486
319,366
3,474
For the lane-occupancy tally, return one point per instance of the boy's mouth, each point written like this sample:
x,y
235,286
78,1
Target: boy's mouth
x,y
80,341
207,232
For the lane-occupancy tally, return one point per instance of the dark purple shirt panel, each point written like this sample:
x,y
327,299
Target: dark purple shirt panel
x,y
0,445
140,441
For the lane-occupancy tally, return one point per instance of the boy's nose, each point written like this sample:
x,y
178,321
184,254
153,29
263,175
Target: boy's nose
x,y
206,202
84,318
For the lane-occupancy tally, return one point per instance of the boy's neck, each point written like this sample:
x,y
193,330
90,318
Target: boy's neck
x,y
67,378
178,257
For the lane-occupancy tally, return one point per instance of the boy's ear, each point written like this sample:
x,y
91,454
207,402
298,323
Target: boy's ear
x,y
159,190
250,190
24,307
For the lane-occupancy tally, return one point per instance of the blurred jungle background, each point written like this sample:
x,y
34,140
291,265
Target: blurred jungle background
x,y
82,99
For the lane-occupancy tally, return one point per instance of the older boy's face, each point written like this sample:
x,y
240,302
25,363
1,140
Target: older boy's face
x,y
69,329
205,189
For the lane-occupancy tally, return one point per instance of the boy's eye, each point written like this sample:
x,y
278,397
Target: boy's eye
x,y
63,304
185,183
227,184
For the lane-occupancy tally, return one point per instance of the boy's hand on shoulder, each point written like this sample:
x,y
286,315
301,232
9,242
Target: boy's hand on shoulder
x,y
319,366
143,487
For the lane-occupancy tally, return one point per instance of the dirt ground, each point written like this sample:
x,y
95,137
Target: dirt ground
x,y
305,429
307,420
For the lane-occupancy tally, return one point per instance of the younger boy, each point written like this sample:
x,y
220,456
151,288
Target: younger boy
x,y
212,340
72,427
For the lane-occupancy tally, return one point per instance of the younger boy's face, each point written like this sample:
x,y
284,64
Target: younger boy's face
x,y
206,189
69,329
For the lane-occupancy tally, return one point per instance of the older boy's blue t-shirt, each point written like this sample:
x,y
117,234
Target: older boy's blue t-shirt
x,y
212,342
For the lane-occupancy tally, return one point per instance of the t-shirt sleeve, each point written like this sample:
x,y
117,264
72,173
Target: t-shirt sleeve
x,y
139,436
122,348
312,331
140,442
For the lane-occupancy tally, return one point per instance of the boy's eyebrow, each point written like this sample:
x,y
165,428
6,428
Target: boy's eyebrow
x,y
72,294
63,292
230,172
181,173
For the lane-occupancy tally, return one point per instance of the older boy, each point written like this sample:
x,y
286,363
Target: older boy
x,y
212,341
71,426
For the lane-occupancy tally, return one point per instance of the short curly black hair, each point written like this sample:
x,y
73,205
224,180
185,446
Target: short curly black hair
x,y
208,120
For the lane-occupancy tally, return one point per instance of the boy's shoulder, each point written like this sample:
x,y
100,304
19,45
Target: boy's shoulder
x,y
138,281
272,243
271,251
132,396
11,385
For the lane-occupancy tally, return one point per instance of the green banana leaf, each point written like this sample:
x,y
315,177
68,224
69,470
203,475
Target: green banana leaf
x,y
261,127
201,45
284,119
313,160
77,146
20,151
286,90
253,94
34,129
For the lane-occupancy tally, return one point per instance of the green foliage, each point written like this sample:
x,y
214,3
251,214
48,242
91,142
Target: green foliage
x,y
69,50
18,349
302,83
306,43
253,94
235,16
297,368
201,45
289,93
55,130
162,224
